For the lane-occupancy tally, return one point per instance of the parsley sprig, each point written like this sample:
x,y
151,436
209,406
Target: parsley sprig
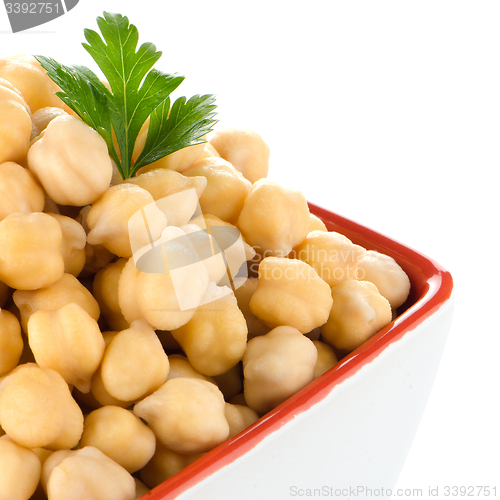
x,y
138,92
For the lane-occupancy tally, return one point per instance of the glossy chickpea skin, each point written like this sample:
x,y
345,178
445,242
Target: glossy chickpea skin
x,y
334,257
387,275
134,363
226,189
105,288
275,366
73,244
19,191
108,219
87,473
186,414
11,342
37,409
214,340
65,291
15,124
181,366
239,417
69,341
17,462
358,312
26,74
274,219
290,293
326,358
30,251
76,174
120,435
245,149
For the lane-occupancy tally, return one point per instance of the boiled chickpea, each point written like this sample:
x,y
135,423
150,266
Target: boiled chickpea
x,y
186,414
274,219
19,191
245,149
37,410
276,366
120,435
30,251
358,312
76,174
11,342
134,363
69,341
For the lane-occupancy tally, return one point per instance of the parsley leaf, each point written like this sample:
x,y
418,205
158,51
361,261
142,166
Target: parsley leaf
x,y
138,92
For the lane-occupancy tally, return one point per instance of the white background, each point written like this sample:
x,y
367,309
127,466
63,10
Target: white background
x,y
386,112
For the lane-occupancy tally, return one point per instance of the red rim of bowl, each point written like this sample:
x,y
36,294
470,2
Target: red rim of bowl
x,y
431,287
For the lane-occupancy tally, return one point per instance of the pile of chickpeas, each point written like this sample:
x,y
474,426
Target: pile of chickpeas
x,y
107,385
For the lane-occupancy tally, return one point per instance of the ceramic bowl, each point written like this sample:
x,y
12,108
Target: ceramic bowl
x,y
348,432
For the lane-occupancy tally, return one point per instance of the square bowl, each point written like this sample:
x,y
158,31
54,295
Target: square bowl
x,y
349,431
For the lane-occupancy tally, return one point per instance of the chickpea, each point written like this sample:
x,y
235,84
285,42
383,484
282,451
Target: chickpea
x,y
134,363
11,342
27,75
239,417
100,394
140,488
276,366
96,257
358,312
69,341
42,117
245,149
30,251
226,188
334,257
326,358
76,174
228,239
161,182
274,219
214,340
231,382
181,365
14,140
316,224
19,191
120,435
172,266
244,290
105,290
17,462
88,473
290,293
387,275
118,221
37,409
208,152
164,464
186,414
74,240
65,291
